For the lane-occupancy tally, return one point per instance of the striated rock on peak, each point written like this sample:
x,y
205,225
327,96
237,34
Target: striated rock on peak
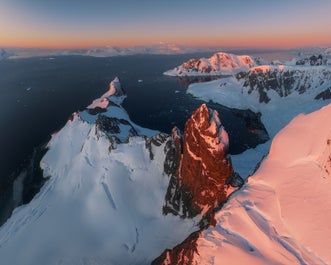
x,y
313,60
282,213
200,168
219,64
182,254
283,79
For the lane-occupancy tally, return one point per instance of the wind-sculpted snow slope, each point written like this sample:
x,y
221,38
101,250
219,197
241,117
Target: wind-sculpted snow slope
x,y
282,213
103,201
109,182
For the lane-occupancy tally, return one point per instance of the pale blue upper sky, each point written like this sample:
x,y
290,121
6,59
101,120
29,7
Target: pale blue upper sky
x,y
87,23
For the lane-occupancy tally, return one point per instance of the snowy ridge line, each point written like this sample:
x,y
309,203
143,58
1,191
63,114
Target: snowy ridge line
x,y
281,214
281,222
103,201
107,51
220,63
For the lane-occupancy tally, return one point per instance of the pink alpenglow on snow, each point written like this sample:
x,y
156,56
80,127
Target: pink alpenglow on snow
x,y
219,64
115,90
282,214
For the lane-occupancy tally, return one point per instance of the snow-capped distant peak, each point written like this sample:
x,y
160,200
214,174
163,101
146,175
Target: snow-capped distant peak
x,y
220,63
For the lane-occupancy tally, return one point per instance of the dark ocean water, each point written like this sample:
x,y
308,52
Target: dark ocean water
x,y
38,95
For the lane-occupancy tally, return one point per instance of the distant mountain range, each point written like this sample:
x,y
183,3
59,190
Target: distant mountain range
x,y
117,193
108,51
222,63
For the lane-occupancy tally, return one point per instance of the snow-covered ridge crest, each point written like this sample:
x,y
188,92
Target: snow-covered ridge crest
x,y
102,203
282,213
218,64
109,116
108,51
114,94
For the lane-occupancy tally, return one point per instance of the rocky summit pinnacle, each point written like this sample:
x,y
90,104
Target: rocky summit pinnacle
x,y
200,182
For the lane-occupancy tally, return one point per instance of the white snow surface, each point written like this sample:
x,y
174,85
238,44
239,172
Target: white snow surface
x,y
103,101
282,214
100,205
220,63
111,103
275,114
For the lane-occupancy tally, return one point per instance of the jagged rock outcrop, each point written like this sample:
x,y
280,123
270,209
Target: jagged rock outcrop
x,y
114,126
182,254
264,223
326,94
312,60
284,80
200,169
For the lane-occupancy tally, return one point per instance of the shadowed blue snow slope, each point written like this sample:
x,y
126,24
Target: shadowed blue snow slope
x,y
103,201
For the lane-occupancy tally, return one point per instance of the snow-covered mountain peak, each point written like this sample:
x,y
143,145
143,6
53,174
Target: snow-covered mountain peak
x,y
115,94
204,172
282,214
220,63
208,125
102,202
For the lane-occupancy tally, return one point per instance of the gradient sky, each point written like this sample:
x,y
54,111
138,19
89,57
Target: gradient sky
x,y
219,23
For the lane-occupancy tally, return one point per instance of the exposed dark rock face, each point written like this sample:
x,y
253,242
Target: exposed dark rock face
x,y
313,60
173,151
200,168
200,173
23,184
96,111
283,81
157,141
326,94
111,125
182,254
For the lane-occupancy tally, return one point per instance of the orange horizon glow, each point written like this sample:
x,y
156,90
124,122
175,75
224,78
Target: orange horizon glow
x,y
262,43
82,25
